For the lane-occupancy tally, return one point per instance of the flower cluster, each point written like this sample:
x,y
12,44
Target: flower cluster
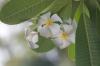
x,y
52,27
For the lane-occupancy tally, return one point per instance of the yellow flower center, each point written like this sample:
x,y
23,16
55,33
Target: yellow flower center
x,y
48,23
63,36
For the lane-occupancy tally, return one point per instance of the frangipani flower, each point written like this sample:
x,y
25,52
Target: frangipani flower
x,y
51,26
32,38
48,24
66,35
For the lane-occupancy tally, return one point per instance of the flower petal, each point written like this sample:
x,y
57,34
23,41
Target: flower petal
x,y
33,45
69,21
74,24
55,29
34,37
43,18
45,32
72,37
55,17
46,15
61,44
57,41
65,44
68,28
27,31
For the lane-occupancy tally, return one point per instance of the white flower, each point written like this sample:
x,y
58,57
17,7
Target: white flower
x,y
47,25
66,35
32,38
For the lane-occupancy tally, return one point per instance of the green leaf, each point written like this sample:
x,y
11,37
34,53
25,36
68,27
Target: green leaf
x,y
80,11
94,13
87,43
71,52
45,45
88,37
69,10
56,6
93,3
66,11
16,11
75,5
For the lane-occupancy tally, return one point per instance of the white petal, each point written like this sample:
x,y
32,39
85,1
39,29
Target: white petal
x,y
33,45
65,44
35,37
57,41
45,32
46,16
55,17
74,24
72,37
69,21
41,21
27,31
43,18
68,28
61,44
32,38
55,29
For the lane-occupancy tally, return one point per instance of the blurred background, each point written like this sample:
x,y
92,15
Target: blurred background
x,y
14,50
